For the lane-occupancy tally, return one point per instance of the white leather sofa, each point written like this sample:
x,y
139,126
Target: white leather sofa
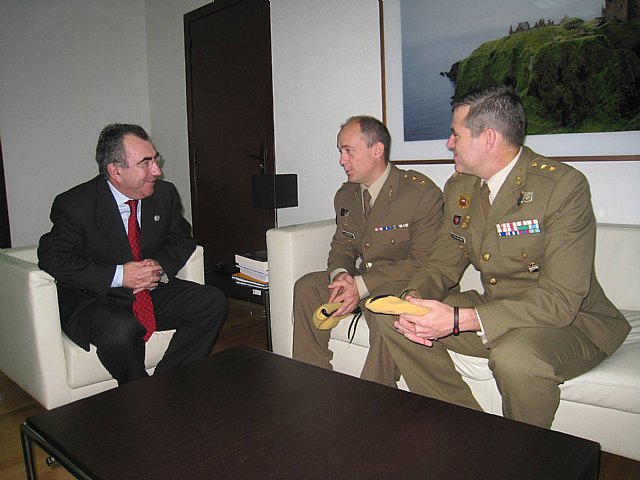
x,y
602,405
36,354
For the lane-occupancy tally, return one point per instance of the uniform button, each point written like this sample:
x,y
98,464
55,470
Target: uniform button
x,y
393,242
367,245
486,257
369,265
524,254
492,281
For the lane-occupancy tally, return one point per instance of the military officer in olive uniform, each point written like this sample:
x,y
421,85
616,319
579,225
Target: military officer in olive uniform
x,y
371,253
543,317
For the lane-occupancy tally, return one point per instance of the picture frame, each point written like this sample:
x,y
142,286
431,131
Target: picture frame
x,y
573,147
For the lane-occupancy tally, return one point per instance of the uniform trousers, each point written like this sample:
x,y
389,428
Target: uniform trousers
x,y
311,345
195,311
528,365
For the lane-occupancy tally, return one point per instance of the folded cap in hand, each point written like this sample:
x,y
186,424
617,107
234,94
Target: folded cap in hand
x,y
322,318
390,305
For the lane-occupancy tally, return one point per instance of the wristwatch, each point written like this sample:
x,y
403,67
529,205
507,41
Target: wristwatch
x,y
164,278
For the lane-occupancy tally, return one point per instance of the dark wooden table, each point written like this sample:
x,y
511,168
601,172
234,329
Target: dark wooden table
x,y
250,414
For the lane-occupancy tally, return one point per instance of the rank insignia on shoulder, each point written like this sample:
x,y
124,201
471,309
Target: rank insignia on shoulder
x,y
463,200
459,238
344,212
348,234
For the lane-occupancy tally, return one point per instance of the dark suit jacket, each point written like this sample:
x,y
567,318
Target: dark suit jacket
x,y
88,240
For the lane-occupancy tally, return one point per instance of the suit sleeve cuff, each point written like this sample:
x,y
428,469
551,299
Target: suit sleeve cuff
x,y
118,277
481,331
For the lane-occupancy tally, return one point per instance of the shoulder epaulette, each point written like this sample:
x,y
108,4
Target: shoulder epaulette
x,y
414,177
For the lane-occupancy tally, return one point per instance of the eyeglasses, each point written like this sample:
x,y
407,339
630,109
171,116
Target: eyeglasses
x,y
145,163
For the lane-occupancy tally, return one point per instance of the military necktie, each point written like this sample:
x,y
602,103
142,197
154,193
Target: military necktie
x,y
484,199
366,199
142,304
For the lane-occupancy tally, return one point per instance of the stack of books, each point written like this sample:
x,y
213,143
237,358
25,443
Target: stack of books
x,y
254,270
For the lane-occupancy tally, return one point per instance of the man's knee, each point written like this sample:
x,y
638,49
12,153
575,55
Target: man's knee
x,y
310,282
116,329
513,359
205,298
380,323
217,300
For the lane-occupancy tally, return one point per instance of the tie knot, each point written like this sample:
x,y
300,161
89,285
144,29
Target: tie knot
x,y
133,205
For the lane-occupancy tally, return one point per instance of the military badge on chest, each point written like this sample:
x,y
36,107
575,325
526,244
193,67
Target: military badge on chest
x,y
344,215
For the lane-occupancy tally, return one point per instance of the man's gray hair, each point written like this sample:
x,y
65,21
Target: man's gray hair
x,y
110,147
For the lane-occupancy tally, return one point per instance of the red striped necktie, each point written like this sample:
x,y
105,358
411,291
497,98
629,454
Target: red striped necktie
x,y
142,304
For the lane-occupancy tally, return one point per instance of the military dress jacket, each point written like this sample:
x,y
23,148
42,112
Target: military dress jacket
x,y
535,253
396,238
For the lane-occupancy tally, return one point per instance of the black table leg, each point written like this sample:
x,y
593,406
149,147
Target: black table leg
x,y
27,452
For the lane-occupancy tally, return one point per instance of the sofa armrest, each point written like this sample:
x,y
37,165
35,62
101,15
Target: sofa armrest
x,y
31,346
193,270
31,351
293,251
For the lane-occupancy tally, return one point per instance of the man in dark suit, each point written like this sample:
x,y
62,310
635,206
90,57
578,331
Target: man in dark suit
x,y
103,283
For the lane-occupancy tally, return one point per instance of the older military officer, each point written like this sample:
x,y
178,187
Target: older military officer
x,y
386,221
543,317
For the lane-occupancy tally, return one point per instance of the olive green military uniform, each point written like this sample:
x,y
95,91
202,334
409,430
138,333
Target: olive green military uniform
x,y
545,316
386,250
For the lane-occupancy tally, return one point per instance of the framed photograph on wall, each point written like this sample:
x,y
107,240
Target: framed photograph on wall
x,y
431,48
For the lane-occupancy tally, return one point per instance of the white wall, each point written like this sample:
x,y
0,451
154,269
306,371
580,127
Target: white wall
x,y
67,68
167,88
326,68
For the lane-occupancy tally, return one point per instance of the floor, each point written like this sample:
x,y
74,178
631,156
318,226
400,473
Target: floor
x,y
245,326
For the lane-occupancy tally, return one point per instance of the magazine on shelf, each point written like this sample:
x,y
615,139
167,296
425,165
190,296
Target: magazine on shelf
x,y
261,275
255,260
242,279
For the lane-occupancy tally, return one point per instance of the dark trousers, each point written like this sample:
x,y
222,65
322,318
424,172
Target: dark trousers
x,y
195,311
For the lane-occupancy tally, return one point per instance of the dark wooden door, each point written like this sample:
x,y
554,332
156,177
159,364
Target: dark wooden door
x,y
5,233
230,123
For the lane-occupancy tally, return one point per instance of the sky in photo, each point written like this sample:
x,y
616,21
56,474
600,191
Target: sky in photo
x,y
435,35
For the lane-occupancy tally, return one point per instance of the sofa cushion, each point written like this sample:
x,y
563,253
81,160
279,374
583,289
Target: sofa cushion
x,y
84,368
612,384
341,331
